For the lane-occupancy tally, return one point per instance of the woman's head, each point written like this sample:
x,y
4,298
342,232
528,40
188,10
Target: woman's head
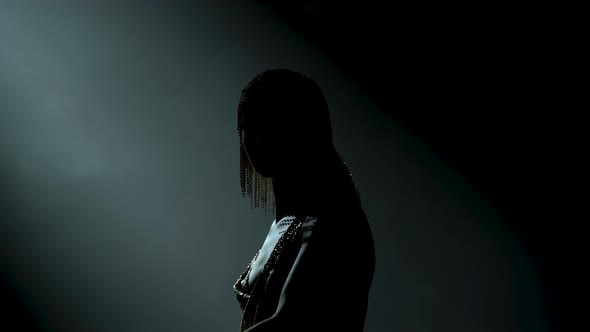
x,y
283,119
283,115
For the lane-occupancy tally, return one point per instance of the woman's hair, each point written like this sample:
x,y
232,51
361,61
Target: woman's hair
x,y
291,101
287,99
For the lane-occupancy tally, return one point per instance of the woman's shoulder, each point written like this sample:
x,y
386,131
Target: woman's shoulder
x,y
336,227
307,224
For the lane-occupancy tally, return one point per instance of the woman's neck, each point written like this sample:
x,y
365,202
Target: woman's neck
x,y
310,190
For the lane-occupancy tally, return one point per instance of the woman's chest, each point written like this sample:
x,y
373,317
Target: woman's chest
x,y
261,258
271,250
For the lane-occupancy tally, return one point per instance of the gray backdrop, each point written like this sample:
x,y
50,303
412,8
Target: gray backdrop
x,y
119,164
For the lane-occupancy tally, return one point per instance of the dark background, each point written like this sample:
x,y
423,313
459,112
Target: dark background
x,y
381,41
533,166
522,145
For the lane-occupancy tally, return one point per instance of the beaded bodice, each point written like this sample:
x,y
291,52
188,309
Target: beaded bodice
x,y
258,297
242,287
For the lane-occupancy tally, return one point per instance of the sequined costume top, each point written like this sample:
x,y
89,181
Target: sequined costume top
x,y
310,274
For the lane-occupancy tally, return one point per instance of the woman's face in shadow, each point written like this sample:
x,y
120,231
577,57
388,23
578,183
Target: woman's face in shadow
x,y
269,143
260,149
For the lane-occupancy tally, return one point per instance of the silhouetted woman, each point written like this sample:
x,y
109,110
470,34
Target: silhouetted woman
x,y
315,268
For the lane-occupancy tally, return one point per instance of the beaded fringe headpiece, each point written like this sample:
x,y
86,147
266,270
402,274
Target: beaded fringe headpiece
x,y
254,185
257,187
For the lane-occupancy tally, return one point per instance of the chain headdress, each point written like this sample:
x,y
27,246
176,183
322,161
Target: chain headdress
x,y
304,95
255,186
